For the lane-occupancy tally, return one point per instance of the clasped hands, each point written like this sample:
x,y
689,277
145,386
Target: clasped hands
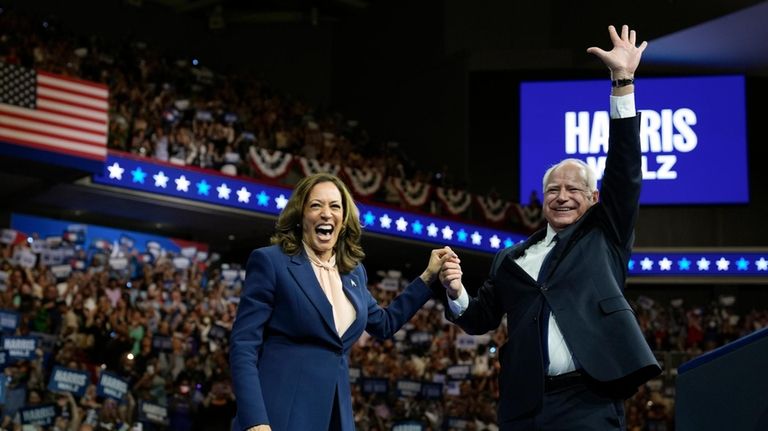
x,y
444,263
450,275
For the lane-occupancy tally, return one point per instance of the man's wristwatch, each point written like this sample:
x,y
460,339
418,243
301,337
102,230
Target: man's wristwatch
x,y
622,82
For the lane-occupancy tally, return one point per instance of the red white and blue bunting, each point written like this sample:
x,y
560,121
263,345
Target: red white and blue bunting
x,y
273,164
413,193
365,183
495,210
313,166
531,217
455,201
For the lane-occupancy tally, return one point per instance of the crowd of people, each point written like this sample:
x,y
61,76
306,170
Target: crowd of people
x,y
164,330
183,113
679,331
160,329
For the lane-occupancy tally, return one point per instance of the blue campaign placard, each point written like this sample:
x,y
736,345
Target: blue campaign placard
x,y
95,238
217,331
20,347
459,371
407,425
112,386
42,415
455,423
408,388
432,391
3,383
371,385
354,374
162,343
153,413
45,342
691,127
9,321
68,380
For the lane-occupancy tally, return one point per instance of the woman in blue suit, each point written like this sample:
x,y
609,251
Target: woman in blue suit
x,y
304,304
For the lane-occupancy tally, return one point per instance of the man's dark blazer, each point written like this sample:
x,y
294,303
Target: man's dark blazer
x,y
583,285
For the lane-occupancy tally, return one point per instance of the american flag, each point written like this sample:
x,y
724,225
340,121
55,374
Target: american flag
x,y
50,112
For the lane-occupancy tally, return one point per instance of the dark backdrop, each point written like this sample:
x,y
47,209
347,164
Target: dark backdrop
x,y
438,77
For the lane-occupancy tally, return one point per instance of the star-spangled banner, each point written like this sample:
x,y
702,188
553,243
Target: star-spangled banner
x,y
55,113
178,181
194,184
132,172
695,263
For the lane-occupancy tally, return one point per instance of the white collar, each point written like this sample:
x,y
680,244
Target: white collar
x,y
550,236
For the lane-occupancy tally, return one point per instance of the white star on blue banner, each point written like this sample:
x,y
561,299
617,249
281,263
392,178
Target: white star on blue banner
x,y
132,173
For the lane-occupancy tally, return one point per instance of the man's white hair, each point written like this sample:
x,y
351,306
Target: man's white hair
x,y
587,174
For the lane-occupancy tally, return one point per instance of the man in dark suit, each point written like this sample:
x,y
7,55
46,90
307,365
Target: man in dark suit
x,y
575,350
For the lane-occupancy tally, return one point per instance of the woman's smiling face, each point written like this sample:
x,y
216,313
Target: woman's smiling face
x,y
323,219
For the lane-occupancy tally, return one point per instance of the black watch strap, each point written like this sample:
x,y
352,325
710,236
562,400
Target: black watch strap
x,y
622,82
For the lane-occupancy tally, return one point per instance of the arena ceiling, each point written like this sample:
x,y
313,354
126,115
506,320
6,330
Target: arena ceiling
x,y
723,34
232,12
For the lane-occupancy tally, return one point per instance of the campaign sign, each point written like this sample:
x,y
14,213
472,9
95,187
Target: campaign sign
x,y
118,263
20,347
389,284
42,415
52,256
455,423
45,342
354,374
7,236
421,337
112,386
9,321
181,262
189,252
432,391
153,413
690,128
407,426
38,247
217,331
466,342
459,371
3,383
370,385
408,388
162,343
99,237
230,275
61,272
127,241
68,380
75,236
25,258
453,387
